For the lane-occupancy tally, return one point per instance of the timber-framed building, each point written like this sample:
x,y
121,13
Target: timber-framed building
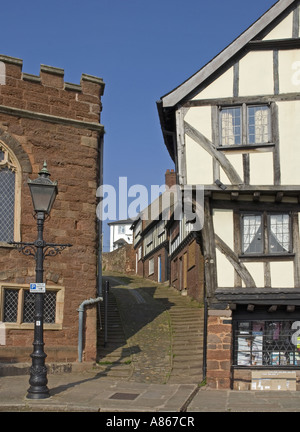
x,y
234,128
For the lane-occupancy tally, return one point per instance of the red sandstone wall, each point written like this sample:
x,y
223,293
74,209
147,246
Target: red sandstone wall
x,y
219,343
71,151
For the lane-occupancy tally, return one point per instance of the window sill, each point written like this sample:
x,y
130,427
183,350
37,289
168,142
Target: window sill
x,y
269,257
246,146
30,326
6,245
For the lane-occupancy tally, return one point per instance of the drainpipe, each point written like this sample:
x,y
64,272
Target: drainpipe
x,y
80,325
205,336
100,234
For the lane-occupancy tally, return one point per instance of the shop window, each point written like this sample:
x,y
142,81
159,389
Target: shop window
x,y
266,343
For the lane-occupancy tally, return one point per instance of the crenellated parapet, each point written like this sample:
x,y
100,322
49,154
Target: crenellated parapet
x,y
48,93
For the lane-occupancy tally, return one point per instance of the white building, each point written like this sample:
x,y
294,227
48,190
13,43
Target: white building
x,y
120,233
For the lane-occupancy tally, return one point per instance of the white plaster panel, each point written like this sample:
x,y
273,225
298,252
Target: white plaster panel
x,y
200,118
221,87
261,169
225,271
289,71
256,74
284,30
282,274
199,164
256,269
223,226
289,115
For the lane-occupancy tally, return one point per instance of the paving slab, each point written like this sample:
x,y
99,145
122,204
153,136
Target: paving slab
x,y
86,392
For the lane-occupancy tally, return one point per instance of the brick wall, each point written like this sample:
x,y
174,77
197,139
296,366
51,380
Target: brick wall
x,y
44,118
163,254
219,342
190,259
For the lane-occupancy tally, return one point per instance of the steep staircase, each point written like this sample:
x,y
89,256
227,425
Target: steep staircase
x,y
114,355
187,323
186,320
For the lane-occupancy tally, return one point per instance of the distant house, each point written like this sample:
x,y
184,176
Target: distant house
x,y
151,238
120,233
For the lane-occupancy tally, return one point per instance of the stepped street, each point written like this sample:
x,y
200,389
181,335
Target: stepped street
x,y
151,362
154,334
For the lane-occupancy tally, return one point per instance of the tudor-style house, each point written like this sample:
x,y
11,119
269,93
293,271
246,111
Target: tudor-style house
x,y
234,128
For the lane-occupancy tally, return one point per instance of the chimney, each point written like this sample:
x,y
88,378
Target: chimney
x,y
170,178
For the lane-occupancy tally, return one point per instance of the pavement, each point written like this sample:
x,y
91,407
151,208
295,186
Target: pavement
x,y
139,389
86,392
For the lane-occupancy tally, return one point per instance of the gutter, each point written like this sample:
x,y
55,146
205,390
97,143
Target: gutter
x,y
80,324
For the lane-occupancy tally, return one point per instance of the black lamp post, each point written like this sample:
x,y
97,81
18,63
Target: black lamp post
x,y
43,193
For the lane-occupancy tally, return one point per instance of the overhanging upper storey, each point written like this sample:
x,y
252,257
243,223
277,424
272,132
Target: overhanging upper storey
x,y
235,120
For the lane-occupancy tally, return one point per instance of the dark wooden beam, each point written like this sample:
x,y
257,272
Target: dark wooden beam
x,y
256,196
234,196
290,308
279,196
250,308
272,308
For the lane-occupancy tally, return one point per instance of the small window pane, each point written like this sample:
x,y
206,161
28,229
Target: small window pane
x,y
231,130
29,307
49,307
7,204
279,233
258,125
10,305
252,234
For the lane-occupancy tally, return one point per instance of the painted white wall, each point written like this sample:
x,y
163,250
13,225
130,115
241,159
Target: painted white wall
x,y
282,274
284,30
256,74
289,115
221,87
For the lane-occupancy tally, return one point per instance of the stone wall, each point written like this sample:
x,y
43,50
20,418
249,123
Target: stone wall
x,y
219,342
121,260
44,118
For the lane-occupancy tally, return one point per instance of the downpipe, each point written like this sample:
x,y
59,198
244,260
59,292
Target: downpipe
x,y
85,303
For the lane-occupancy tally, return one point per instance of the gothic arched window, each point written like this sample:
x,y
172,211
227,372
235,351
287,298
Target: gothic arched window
x,y
10,172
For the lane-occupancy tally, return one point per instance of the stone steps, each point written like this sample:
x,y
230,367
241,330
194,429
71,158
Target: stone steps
x,y
114,357
187,337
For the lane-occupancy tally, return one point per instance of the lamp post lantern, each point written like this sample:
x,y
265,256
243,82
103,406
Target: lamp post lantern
x,y
43,193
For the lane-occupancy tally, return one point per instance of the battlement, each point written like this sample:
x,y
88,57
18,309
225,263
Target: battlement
x,y
48,93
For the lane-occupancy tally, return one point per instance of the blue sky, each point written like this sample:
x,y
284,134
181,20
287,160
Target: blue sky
x,y
142,50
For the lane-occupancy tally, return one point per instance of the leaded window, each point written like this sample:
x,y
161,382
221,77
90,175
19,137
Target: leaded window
x,y
16,300
245,125
8,199
266,233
